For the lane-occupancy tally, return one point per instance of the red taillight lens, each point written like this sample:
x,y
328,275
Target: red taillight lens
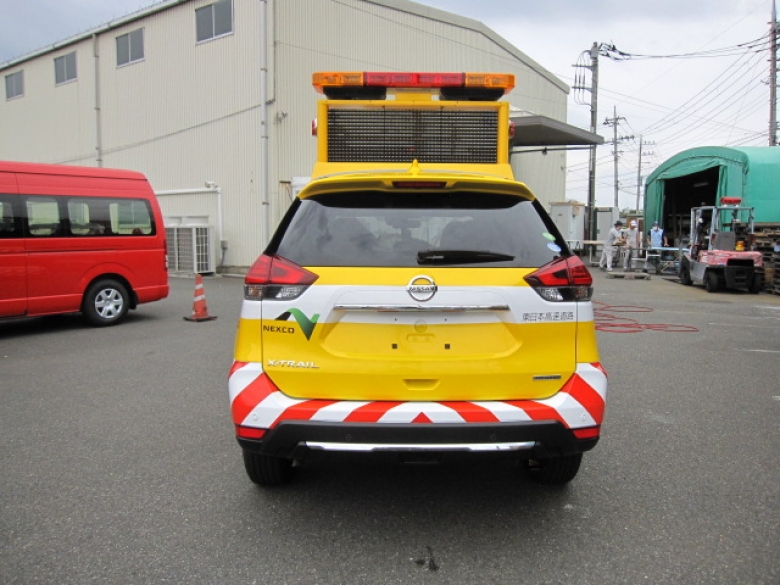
x,y
587,433
249,432
563,279
275,278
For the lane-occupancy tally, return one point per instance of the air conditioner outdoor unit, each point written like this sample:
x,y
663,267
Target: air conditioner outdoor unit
x,y
190,249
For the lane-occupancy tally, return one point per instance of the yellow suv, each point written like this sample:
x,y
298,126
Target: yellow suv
x,y
420,311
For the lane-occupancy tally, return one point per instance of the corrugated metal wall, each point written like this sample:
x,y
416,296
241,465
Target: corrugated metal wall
x,y
190,112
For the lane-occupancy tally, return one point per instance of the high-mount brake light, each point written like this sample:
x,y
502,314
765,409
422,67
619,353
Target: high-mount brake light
x,y
563,279
277,279
373,84
731,200
419,184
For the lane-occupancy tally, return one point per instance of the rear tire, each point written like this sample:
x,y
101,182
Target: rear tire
x,y
555,470
267,471
685,274
711,281
106,302
756,285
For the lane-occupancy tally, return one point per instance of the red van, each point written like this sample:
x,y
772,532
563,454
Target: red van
x,y
78,239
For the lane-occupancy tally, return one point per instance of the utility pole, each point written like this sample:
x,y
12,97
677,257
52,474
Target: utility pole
x,y
639,175
773,80
594,100
639,170
594,106
614,123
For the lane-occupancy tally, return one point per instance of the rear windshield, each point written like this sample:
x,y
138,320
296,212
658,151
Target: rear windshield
x,y
418,229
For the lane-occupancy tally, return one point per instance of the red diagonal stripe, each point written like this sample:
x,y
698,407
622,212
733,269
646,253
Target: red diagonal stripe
x,y
371,412
303,410
472,413
538,411
250,397
235,367
587,396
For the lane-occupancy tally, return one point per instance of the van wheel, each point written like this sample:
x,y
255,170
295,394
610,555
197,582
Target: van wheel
x,y
711,281
555,470
267,471
106,302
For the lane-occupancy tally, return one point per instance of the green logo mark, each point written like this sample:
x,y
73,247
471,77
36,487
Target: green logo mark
x,y
306,324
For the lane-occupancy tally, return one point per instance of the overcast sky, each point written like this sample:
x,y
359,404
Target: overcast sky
x,y
675,103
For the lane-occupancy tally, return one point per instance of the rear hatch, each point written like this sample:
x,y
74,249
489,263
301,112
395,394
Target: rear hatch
x,y
423,295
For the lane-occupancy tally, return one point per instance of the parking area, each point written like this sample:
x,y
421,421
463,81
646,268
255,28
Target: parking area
x,y
119,463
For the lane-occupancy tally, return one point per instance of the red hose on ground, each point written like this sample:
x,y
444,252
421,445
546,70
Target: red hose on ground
x,y
607,319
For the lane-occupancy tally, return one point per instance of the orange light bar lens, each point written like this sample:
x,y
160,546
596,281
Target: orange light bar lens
x,y
337,79
505,81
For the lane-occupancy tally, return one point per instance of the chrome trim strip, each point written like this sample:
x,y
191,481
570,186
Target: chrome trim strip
x,y
421,308
406,447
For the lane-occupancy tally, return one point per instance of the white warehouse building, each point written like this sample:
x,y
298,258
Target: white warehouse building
x,y
213,102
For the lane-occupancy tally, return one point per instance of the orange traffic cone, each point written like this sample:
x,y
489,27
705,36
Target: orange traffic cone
x,y
199,310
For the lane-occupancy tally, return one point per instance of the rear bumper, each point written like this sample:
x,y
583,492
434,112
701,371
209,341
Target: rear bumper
x,y
147,294
293,439
269,422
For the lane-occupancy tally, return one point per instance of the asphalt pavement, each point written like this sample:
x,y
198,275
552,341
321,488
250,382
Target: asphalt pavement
x,y
118,463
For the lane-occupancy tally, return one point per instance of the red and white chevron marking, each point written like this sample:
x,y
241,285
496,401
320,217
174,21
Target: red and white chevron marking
x,y
257,402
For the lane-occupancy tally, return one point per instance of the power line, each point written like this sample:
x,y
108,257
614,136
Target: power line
x,y
615,54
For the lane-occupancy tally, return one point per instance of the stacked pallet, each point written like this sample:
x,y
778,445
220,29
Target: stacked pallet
x,y
768,243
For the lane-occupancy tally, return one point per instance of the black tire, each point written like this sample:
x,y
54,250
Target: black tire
x,y
555,470
685,274
756,284
267,471
711,281
106,302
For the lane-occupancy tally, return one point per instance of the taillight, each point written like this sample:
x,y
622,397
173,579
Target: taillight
x,y
563,279
275,278
249,432
587,433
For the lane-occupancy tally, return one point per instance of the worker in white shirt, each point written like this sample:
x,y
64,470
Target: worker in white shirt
x,y
613,242
631,236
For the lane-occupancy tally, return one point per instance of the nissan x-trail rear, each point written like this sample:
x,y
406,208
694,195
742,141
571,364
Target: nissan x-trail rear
x,y
421,310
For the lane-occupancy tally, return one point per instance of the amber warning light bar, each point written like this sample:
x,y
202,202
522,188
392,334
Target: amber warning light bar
x,y
374,85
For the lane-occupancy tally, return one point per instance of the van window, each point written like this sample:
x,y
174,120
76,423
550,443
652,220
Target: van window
x,y
10,223
43,217
134,217
89,216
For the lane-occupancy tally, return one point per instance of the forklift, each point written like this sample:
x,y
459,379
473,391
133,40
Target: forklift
x,y
720,250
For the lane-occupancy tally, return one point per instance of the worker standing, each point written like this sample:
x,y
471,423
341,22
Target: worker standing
x,y
631,236
613,241
656,237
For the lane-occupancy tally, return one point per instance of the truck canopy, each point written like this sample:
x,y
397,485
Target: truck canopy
x,y
704,176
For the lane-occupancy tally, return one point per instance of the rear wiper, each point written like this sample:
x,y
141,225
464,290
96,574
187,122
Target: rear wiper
x,y
460,256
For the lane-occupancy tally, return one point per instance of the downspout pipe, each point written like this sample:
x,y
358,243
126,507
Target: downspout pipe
x,y
265,181
98,121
